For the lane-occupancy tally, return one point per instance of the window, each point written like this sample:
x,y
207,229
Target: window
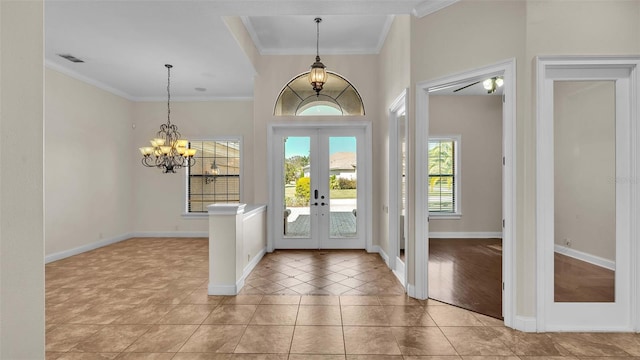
x,y
215,177
444,176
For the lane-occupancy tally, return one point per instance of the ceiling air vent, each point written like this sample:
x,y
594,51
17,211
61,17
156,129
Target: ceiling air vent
x,y
71,58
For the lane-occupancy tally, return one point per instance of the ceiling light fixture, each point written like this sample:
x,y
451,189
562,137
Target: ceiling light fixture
x,y
167,151
318,74
492,84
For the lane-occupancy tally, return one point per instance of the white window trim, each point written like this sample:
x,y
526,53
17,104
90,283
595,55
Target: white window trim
x,y
185,212
457,177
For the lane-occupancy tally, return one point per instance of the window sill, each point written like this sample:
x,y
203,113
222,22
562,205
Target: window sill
x,y
436,216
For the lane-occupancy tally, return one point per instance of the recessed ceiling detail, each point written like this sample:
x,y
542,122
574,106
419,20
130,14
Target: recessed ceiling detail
x,y
341,34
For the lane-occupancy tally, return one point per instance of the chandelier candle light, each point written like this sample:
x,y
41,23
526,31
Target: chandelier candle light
x,y
318,74
167,151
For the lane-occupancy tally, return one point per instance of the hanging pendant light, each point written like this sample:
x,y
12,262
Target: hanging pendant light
x,y
167,151
318,74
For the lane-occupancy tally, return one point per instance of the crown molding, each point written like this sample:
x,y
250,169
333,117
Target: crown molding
x,y
384,33
430,6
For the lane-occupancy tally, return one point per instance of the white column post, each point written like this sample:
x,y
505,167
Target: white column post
x,y
225,245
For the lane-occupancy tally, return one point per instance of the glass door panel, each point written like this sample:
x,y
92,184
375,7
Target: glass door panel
x,y
296,186
343,186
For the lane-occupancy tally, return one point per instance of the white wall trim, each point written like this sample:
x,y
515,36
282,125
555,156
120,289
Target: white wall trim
x,y
397,107
430,6
84,248
524,323
583,256
383,255
411,290
465,235
384,33
249,268
166,234
214,289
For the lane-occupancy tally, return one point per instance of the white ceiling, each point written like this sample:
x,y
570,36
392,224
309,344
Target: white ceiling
x,y
125,44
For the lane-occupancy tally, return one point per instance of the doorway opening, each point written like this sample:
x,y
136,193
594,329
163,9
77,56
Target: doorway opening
x,y
451,186
320,186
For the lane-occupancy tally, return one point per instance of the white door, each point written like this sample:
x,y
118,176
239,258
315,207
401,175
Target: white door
x,y
319,188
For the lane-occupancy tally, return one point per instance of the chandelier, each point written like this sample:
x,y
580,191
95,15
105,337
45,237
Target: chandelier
x,y
167,151
318,74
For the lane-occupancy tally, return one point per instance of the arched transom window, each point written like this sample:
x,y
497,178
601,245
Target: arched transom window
x,y
337,98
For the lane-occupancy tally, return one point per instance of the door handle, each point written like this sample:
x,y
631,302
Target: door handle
x,y
315,195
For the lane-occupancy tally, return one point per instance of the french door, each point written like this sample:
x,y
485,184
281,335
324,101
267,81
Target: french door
x,y
319,187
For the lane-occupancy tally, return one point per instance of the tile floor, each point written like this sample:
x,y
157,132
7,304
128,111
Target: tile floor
x,y
147,299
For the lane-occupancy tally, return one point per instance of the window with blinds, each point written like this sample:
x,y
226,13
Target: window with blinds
x,y
215,177
443,181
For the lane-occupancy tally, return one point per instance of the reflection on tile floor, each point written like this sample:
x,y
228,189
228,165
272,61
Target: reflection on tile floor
x,y
147,299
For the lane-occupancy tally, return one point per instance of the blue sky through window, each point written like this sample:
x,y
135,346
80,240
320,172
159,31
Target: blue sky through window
x,y
299,145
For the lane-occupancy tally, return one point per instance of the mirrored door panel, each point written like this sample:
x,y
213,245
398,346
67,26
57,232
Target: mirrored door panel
x,y
584,127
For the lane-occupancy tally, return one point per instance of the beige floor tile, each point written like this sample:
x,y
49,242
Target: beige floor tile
x,y
589,344
88,356
49,355
214,338
449,357
496,357
265,340
358,315
145,356
242,300
280,300
201,297
315,357
317,340
144,314
489,321
64,337
111,338
187,315
476,340
422,341
231,314
359,300
398,300
452,316
374,357
320,300
408,316
319,315
275,315
163,338
370,340
530,344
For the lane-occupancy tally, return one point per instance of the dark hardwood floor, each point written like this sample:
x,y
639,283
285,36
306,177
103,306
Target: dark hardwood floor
x,y
579,281
467,273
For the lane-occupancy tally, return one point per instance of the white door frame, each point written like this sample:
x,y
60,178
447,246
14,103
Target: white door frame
x,y
366,211
506,69
623,314
398,106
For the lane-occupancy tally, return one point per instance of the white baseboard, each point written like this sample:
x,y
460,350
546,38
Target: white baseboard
x,y
383,255
411,291
184,234
217,289
525,323
98,244
249,268
583,256
465,235
84,248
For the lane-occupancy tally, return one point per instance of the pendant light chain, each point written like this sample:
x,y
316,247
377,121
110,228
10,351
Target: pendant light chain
x,y
169,93
318,37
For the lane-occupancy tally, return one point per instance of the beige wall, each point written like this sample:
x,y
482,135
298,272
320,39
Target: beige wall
x,y
21,180
478,120
159,210
394,79
465,36
88,167
585,166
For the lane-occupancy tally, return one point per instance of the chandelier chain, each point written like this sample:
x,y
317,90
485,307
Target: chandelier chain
x,y
168,93
318,37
